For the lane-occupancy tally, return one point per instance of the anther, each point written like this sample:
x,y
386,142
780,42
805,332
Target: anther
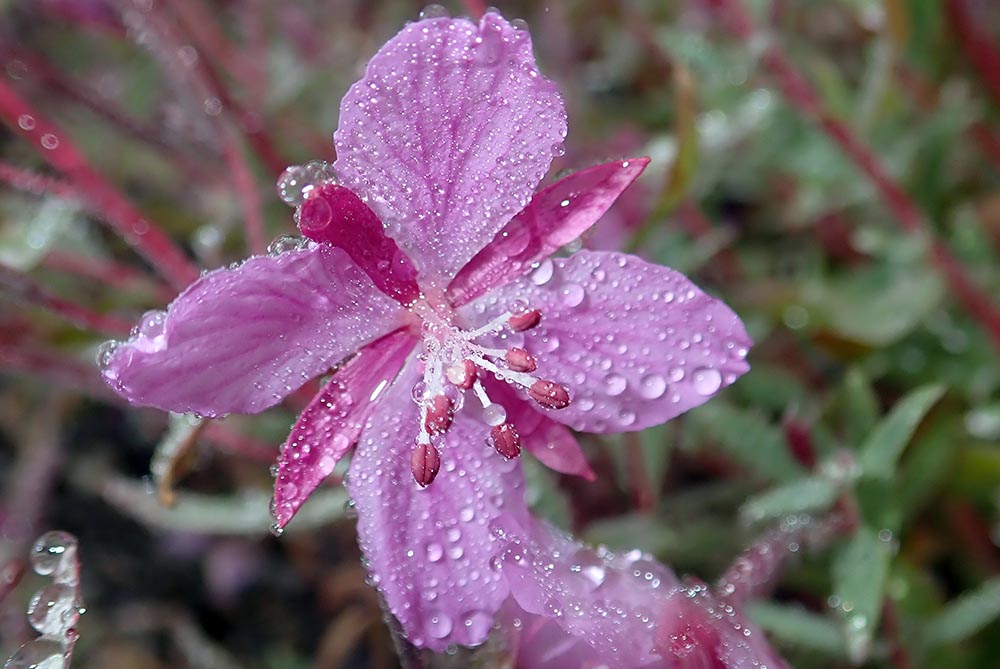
x,y
425,461
520,360
525,321
549,394
505,440
462,374
440,413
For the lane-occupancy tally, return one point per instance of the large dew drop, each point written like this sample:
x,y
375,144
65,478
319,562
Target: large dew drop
x,y
42,653
296,181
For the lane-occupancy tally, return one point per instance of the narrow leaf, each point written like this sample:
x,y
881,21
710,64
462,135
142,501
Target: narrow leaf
x,y
882,449
795,627
803,496
966,615
859,575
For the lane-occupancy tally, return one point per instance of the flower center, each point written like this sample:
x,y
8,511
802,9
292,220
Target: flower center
x,y
454,361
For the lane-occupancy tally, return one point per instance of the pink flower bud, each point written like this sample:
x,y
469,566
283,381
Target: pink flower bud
x,y
425,463
505,439
520,360
549,394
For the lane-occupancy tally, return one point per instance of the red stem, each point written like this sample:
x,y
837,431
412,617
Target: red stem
x,y
246,188
35,183
101,197
112,274
804,99
476,8
977,45
25,289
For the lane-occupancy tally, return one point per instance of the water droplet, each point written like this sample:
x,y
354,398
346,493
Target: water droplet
x,y
53,609
434,551
543,273
26,122
467,514
53,552
652,386
434,12
439,625
615,384
284,244
296,181
42,653
706,380
494,415
49,141
572,294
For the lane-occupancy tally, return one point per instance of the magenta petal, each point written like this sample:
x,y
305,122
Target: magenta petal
x,y
334,215
430,550
240,340
556,216
330,425
635,343
613,603
447,136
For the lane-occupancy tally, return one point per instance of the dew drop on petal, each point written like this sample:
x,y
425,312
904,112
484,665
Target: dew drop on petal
x,y
615,384
652,386
706,380
434,551
439,625
543,273
434,12
572,294
42,653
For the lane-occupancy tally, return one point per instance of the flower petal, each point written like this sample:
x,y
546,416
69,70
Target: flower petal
x,y
635,343
330,425
611,602
430,549
240,340
556,216
447,135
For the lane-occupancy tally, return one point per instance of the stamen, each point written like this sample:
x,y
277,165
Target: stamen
x,y
425,461
549,394
505,440
494,325
525,320
520,360
440,413
462,374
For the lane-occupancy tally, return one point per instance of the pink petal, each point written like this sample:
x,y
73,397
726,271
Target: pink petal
x,y
556,216
550,442
332,214
330,425
613,603
240,340
635,343
447,135
700,631
430,549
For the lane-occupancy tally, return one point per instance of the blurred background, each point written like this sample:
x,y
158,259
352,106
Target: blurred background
x,y
830,169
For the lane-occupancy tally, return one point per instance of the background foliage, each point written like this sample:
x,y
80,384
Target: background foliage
x,y
831,170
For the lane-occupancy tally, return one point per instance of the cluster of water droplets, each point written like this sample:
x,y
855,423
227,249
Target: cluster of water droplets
x,y
296,181
637,343
55,609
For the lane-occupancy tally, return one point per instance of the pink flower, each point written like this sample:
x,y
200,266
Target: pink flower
x,y
426,282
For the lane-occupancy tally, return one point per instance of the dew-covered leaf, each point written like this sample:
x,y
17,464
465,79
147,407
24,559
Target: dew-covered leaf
x,y
860,569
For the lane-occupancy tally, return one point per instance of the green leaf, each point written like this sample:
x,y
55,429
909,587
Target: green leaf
x,y
795,627
882,448
965,616
802,496
861,408
859,576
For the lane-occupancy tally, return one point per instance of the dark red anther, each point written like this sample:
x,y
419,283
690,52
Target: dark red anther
x,y
462,375
505,439
549,394
520,360
525,320
440,412
425,463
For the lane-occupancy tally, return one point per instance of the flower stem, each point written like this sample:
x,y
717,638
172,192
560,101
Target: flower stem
x,y
100,196
803,98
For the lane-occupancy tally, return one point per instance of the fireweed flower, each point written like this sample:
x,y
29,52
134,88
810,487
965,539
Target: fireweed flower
x,y
425,281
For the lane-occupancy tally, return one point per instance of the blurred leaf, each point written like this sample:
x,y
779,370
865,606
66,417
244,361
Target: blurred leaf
x,y
747,437
897,23
803,496
28,233
686,131
965,616
882,448
859,577
795,627
861,408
